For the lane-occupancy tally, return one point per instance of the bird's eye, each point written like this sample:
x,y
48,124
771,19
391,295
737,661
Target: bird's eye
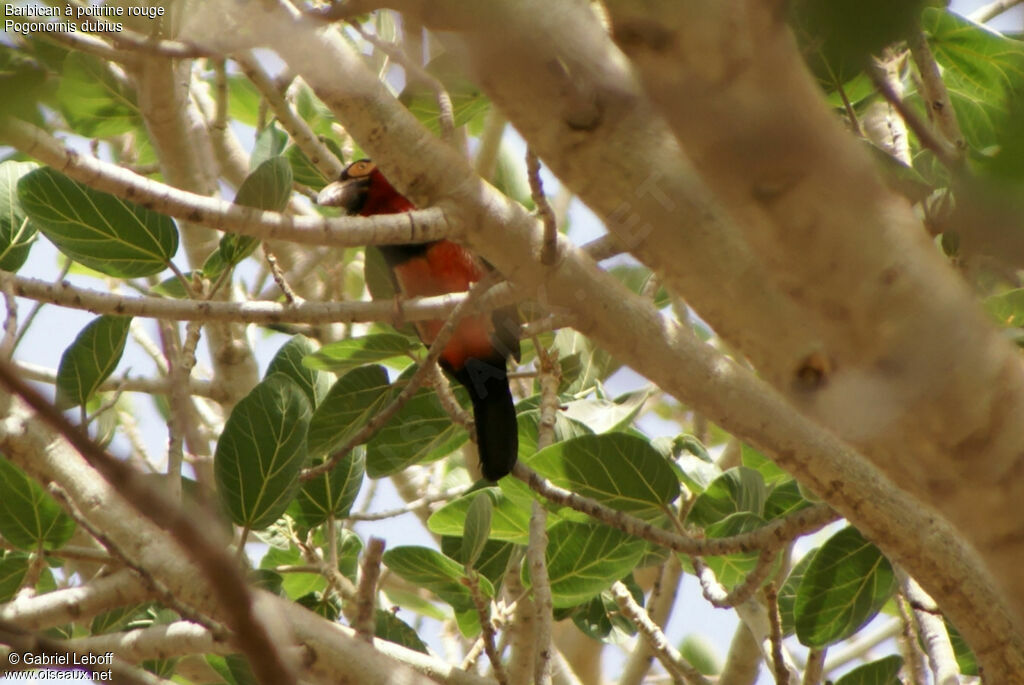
x,y
359,169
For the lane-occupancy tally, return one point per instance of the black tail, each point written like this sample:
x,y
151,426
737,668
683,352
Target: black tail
x,y
494,413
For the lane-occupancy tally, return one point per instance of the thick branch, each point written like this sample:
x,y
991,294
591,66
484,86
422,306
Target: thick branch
x,y
411,227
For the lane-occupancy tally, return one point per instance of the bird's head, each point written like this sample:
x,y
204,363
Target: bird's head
x,y
362,189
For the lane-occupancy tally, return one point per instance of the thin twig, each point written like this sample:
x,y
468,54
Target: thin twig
x,y
488,633
934,636
449,494
549,248
913,658
716,594
674,662
366,591
542,600
321,156
772,535
933,91
275,270
946,153
993,10
415,72
779,667
815,664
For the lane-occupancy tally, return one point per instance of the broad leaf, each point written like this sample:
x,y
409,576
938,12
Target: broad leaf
x,y
393,629
737,490
332,494
90,359
268,187
103,232
261,451
94,101
345,355
29,517
510,518
288,361
1007,308
882,672
16,232
845,585
619,470
476,531
584,559
435,572
982,71
421,431
730,569
350,403
13,569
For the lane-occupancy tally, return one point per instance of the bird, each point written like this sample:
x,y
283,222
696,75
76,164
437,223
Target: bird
x,y
477,353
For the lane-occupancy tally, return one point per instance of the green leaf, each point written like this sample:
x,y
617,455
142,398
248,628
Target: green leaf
x,y
431,570
619,470
838,37
261,451
476,531
468,101
268,187
304,171
965,659
29,517
845,585
584,366
730,569
243,100
528,422
16,232
345,355
1007,308
95,102
601,618
90,359
13,569
295,585
103,232
350,403
28,77
585,558
420,431
492,561
701,653
602,416
982,70
785,498
270,143
233,668
787,594
769,471
393,629
738,489
510,517
331,495
885,671
288,361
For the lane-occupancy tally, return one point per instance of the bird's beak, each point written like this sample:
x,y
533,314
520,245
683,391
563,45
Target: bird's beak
x,y
349,194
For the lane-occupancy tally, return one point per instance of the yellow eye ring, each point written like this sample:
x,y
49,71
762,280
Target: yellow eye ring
x,y
363,167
